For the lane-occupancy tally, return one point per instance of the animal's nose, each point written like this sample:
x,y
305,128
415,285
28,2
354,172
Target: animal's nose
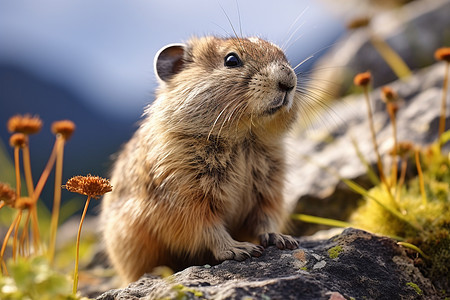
x,y
286,79
285,87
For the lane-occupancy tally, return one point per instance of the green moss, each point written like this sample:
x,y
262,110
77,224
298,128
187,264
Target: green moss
x,y
304,268
335,251
34,279
431,232
183,291
415,287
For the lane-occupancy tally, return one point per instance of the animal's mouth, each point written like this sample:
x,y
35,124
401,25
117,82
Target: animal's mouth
x,y
283,100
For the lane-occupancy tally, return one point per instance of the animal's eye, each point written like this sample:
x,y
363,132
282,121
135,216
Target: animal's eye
x,y
232,60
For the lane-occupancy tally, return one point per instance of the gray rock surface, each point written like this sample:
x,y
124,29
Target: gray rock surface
x,y
312,190
352,265
414,31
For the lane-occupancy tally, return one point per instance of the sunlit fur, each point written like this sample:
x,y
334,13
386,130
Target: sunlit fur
x,y
203,176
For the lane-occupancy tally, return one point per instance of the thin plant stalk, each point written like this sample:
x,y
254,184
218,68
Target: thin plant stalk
x,y
4,268
7,236
37,193
413,247
321,221
16,234
35,227
401,180
27,169
57,196
395,62
75,273
370,172
375,146
24,249
17,169
443,104
373,134
421,181
394,156
44,176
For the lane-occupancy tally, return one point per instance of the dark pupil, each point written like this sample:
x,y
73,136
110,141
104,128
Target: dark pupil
x,y
232,60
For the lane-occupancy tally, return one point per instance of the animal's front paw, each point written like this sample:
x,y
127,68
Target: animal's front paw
x,y
239,251
282,241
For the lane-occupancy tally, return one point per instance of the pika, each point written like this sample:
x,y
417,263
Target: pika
x,y
201,180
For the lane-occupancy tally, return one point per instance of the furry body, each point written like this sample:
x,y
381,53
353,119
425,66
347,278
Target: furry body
x,y
202,178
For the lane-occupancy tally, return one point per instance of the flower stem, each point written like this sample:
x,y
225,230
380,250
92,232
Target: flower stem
x,y
17,169
401,180
375,146
75,274
57,197
394,156
422,183
24,237
8,234
443,104
373,134
37,193
16,234
27,169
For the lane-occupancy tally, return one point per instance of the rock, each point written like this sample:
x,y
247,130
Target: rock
x,y
412,30
312,190
352,265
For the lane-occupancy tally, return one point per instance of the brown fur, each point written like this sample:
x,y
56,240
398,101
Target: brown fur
x,y
202,178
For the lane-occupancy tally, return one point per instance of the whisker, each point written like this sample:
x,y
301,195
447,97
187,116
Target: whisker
x,y
286,43
314,54
217,119
232,28
291,43
303,61
228,118
315,105
239,18
239,117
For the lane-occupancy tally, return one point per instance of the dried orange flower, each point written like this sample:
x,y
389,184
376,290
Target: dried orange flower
x,y
25,124
64,128
362,79
392,108
358,23
93,186
7,194
18,140
388,94
403,149
443,54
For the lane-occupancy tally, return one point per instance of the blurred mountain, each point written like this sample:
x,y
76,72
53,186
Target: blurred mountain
x,y
91,62
96,136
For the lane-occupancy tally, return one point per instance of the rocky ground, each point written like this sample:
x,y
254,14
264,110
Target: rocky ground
x,y
352,265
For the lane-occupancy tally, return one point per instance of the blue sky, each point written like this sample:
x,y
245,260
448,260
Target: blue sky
x,y
103,50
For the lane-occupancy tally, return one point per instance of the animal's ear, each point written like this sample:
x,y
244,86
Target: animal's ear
x,y
169,61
